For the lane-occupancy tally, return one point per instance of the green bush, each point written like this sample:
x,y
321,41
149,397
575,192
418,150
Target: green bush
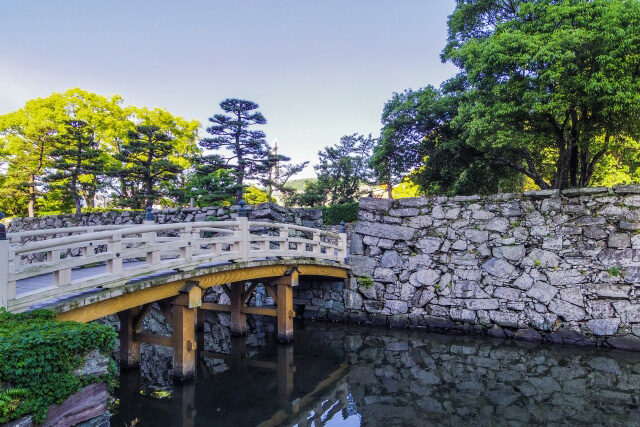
x,y
333,215
38,355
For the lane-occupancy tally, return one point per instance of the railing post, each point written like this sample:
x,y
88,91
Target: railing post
x,y
284,234
186,237
316,247
153,257
4,266
114,265
243,225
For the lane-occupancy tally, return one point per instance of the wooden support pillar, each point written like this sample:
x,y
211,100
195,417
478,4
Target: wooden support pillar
x,y
285,306
238,318
183,309
200,316
286,369
184,342
129,348
130,386
184,404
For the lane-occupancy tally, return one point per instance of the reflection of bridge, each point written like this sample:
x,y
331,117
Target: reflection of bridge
x,y
85,273
289,396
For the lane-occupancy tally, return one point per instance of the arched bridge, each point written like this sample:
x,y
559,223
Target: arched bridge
x,y
85,273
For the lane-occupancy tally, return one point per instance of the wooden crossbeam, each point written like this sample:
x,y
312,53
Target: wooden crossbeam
x,y
247,295
259,310
226,289
140,316
215,307
262,311
165,307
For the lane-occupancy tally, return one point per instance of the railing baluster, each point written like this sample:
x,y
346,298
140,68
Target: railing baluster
x,y
284,234
60,277
114,265
186,240
243,225
316,246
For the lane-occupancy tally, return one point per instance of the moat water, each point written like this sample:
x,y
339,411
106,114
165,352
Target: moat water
x,y
340,375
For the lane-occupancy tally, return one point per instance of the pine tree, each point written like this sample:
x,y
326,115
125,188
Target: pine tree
x,y
145,166
75,155
243,150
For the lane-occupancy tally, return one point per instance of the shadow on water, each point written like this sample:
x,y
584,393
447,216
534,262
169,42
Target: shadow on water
x,y
346,375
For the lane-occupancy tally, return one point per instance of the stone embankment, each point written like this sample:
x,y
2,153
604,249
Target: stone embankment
x,y
264,212
562,267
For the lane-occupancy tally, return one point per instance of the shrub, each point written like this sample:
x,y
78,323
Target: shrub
x,y
333,215
38,355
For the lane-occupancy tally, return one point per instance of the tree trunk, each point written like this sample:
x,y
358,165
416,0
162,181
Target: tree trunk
x,y
76,197
31,207
149,192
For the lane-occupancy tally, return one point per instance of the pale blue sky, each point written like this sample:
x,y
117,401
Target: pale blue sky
x,y
318,69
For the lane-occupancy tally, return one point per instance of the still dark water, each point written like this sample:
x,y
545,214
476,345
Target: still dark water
x,y
338,375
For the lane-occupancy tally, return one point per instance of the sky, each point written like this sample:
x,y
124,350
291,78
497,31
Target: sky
x,y
318,69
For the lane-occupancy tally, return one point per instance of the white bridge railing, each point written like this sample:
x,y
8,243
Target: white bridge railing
x,y
109,256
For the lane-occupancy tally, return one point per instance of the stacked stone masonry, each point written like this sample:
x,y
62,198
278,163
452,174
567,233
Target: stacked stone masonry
x,y
543,265
264,212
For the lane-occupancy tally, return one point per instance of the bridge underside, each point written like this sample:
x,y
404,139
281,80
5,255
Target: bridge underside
x,y
180,294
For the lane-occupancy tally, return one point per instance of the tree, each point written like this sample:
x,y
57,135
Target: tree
x,y
341,172
240,147
208,184
180,134
146,168
420,141
279,174
255,196
28,136
75,155
407,118
547,80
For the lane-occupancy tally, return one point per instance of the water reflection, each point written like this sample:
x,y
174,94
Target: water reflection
x,y
341,375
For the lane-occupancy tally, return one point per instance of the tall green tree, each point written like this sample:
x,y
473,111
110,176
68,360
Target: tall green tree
x,y
551,86
240,147
28,136
76,155
419,140
208,184
145,169
342,171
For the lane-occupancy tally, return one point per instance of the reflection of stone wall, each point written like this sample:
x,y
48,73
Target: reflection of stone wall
x,y
534,266
409,378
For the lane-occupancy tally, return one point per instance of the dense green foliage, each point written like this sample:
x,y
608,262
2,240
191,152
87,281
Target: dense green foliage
x,y
62,153
38,355
335,214
145,163
242,151
342,171
61,150
76,155
547,89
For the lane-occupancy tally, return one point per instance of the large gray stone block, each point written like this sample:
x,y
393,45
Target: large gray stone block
x,y
388,231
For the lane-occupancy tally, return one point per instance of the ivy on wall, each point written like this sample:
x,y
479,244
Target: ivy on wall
x,y
334,214
38,355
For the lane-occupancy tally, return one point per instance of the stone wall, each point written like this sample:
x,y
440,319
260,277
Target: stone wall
x,y
538,266
263,212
